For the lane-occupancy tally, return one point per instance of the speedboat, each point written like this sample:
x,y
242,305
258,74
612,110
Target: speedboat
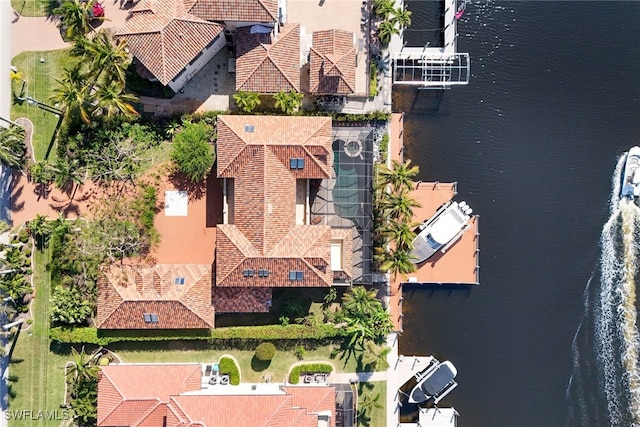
x,y
440,231
435,382
630,187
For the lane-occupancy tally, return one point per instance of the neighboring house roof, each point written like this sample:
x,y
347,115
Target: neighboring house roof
x,y
332,62
129,394
165,37
234,10
242,300
138,395
256,151
127,293
268,63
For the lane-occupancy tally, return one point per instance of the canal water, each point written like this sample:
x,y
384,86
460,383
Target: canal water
x,y
533,142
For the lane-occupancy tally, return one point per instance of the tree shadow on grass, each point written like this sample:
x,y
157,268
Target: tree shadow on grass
x,y
259,365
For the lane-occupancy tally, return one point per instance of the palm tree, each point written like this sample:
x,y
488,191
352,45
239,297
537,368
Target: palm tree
x,y
399,176
67,174
401,233
40,228
12,146
383,8
106,57
75,17
72,93
360,300
386,29
83,365
246,101
375,356
400,206
402,17
42,172
289,102
398,262
112,100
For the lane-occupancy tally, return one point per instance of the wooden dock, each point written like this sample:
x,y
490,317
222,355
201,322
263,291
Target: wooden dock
x,y
459,265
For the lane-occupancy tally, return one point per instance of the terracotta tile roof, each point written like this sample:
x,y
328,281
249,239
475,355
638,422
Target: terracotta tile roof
x,y
139,395
242,300
165,37
266,63
332,62
126,293
135,394
255,151
264,11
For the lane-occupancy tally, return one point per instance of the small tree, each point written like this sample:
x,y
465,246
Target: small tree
x,y
69,306
386,29
246,101
193,154
288,102
265,351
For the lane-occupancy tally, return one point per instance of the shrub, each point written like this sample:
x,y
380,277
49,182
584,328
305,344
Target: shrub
x,y
265,351
373,79
103,361
193,152
300,352
27,252
228,366
23,236
294,376
29,321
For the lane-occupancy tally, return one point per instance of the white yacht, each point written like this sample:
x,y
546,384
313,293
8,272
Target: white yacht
x,y
440,231
630,187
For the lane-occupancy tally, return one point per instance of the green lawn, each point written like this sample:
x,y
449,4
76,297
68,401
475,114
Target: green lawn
x,y
378,416
34,7
250,371
36,373
40,78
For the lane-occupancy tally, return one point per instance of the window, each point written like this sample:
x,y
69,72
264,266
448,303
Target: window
x,y
296,163
248,273
249,128
295,275
263,273
150,318
179,280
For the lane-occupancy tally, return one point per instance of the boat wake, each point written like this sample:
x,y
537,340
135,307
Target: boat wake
x,y
607,342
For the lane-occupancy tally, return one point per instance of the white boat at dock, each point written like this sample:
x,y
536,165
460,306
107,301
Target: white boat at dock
x,y
630,186
440,231
434,383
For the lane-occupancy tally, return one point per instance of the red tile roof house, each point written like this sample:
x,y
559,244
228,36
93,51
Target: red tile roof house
x,y
268,238
174,39
172,395
268,61
332,63
162,296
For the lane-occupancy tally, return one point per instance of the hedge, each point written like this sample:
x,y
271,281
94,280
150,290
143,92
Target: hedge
x,y
228,366
268,332
294,376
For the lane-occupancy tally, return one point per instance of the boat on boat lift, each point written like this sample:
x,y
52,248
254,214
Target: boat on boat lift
x,y
434,383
